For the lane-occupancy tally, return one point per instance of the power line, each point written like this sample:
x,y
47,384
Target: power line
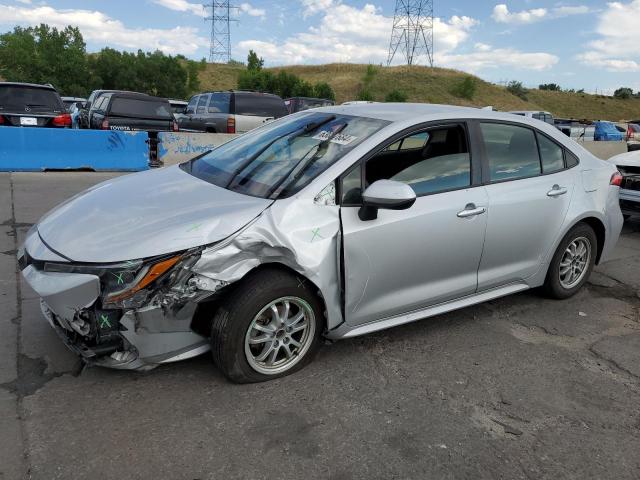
x,y
412,32
220,18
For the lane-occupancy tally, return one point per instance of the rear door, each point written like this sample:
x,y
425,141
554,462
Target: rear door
x,y
529,190
253,110
406,260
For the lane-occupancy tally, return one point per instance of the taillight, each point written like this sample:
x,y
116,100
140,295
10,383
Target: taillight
x,y
231,125
629,133
616,179
175,126
105,124
1,119
63,120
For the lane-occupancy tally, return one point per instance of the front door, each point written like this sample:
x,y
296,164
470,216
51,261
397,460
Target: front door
x,y
409,259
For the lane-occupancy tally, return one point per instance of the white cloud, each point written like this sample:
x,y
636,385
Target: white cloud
x,y
565,11
501,14
311,7
485,57
182,6
346,33
25,2
350,34
618,32
100,28
252,11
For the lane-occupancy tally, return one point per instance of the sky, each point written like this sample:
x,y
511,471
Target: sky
x,y
575,43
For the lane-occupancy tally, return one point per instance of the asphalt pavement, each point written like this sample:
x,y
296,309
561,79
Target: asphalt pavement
x,y
523,387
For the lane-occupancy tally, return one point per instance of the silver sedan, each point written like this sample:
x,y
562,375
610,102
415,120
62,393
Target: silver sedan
x,y
333,223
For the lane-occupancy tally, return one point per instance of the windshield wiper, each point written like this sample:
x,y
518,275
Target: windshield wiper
x,y
300,167
291,135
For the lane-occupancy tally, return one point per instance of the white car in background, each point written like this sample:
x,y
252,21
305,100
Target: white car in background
x,y
629,166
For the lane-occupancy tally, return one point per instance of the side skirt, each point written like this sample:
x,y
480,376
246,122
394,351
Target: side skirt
x,y
347,331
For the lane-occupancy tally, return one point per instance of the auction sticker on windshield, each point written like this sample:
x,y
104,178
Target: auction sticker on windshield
x,y
28,121
339,138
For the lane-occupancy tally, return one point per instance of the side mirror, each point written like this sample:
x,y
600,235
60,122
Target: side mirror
x,y
385,194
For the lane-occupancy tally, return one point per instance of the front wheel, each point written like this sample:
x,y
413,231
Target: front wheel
x,y
572,263
269,326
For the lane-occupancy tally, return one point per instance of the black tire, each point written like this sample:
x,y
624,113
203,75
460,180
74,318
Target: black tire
x,y
553,286
236,313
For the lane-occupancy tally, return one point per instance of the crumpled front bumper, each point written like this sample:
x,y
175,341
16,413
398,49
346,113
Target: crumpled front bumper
x,y
125,339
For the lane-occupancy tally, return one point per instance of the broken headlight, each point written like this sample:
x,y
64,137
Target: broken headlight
x,y
131,284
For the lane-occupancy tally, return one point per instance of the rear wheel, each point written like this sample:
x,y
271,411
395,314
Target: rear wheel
x,y
572,263
268,327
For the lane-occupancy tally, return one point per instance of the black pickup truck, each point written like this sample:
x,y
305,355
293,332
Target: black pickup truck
x,y
126,111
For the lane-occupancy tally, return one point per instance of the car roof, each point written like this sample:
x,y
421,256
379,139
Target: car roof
x,y
141,96
31,85
398,112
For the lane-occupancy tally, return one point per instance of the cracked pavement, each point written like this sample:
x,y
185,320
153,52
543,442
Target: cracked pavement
x,y
522,387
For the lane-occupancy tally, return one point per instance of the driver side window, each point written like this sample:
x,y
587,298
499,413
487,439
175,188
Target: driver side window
x,y
434,160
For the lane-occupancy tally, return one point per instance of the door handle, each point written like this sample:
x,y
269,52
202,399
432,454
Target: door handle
x,y
471,211
556,191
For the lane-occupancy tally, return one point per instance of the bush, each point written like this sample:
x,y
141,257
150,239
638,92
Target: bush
x,y
466,88
516,88
324,90
396,96
553,87
365,95
623,93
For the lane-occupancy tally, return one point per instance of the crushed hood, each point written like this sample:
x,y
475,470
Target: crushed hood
x,y
146,214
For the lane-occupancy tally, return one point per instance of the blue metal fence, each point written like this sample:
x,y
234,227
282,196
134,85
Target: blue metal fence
x,y
29,149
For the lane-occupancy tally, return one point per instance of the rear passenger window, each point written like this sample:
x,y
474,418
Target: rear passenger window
x,y
219,103
512,151
202,103
551,155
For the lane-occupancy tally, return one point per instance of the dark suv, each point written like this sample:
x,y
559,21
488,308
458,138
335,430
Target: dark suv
x,y
30,105
132,111
231,111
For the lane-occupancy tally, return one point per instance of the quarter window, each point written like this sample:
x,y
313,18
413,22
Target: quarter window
x,y
511,150
551,155
219,103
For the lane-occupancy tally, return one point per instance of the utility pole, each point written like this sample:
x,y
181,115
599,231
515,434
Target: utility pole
x,y
412,32
220,18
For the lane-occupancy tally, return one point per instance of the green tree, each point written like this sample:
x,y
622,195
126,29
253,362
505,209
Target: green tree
x,y
553,87
465,88
623,93
324,90
396,96
46,55
254,63
516,88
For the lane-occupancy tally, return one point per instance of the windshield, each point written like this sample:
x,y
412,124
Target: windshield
x,y
141,108
22,97
281,158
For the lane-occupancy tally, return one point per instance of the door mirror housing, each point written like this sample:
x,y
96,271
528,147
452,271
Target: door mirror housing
x,y
385,194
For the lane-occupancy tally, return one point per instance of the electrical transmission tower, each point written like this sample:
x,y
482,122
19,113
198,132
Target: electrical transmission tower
x,y
220,18
412,32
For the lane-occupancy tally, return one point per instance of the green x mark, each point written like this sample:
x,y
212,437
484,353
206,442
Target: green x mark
x,y
316,234
119,278
104,321
195,226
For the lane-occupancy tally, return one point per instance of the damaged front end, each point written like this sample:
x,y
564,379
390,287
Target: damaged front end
x,y
130,315
630,190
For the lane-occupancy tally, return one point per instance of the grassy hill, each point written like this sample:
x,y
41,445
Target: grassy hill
x,y
433,85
